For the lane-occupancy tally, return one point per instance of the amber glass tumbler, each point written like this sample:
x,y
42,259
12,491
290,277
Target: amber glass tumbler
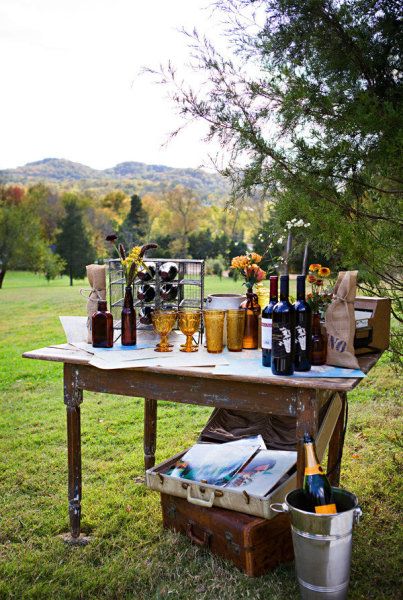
x,y
214,323
235,329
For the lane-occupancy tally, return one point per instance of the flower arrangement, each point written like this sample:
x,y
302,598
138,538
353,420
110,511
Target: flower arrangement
x,y
133,262
247,266
319,297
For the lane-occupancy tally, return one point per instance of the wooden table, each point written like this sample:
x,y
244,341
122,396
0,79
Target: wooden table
x,y
301,398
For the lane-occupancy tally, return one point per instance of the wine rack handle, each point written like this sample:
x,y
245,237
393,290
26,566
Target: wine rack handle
x,y
199,501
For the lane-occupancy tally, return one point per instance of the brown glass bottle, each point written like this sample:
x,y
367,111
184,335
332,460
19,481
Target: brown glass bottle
x,y
319,350
102,327
128,319
251,331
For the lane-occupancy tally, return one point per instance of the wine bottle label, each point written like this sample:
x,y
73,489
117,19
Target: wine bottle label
x,y
316,470
326,509
301,336
267,327
281,341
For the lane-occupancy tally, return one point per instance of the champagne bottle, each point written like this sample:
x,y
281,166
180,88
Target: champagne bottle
x,y
147,275
303,336
318,492
283,336
169,291
146,293
168,271
267,322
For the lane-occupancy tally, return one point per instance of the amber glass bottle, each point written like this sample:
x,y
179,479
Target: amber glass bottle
x,y
251,332
128,319
102,327
319,350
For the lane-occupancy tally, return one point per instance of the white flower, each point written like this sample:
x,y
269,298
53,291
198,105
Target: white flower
x,y
307,225
280,240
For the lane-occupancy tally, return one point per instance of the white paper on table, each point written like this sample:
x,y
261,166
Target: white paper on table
x,y
150,358
75,328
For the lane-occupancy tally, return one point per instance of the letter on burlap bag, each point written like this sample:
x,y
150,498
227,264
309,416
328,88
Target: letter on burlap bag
x,y
97,277
340,322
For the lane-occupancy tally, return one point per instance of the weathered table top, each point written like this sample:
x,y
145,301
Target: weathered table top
x,y
66,353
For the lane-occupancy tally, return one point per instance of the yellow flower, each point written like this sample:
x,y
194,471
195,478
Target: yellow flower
x,y
315,267
324,272
255,257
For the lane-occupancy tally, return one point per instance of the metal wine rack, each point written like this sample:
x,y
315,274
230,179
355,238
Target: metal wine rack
x,y
189,279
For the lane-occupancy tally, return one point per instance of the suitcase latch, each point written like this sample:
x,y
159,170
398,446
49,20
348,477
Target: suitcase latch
x,y
231,544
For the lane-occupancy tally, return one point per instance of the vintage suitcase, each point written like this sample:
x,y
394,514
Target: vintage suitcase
x,y
254,545
207,495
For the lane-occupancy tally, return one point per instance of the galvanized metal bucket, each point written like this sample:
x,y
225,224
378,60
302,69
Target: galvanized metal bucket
x,y
322,544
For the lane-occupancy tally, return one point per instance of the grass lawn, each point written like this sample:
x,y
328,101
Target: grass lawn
x,y
129,555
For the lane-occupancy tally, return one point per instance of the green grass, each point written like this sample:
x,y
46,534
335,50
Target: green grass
x,y
129,555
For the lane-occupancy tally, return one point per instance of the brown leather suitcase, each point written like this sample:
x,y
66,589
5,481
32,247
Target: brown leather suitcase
x,y
253,544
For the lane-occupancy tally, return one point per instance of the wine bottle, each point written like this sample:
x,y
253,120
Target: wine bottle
x,y
145,315
102,327
318,492
169,291
303,336
146,293
147,275
283,336
267,322
168,271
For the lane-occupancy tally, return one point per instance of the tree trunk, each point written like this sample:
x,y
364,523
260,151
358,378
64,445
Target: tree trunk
x,y
2,274
287,253
305,259
71,275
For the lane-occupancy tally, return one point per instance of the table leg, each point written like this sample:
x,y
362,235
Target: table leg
x,y
307,422
150,431
336,444
73,397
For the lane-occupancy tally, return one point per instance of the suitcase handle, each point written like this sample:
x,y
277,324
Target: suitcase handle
x,y
204,541
199,501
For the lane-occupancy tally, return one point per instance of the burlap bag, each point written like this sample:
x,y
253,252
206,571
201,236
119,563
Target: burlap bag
x,y
97,277
340,322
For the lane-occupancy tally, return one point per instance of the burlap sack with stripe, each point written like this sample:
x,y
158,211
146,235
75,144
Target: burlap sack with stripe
x,y
340,322
97,277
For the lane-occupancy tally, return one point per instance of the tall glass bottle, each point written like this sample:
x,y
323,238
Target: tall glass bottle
x,y
303,336
128,319
283,336
102,327
318,492
319,349
252,311
267,322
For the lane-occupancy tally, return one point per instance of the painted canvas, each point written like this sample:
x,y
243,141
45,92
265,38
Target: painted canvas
x,y
263,472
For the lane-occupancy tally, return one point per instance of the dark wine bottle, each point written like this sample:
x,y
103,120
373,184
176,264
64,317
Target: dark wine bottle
x,y
283,336
145,315
147,275
267,322
303,335
318,492
168,271
102,327
169,291
146,293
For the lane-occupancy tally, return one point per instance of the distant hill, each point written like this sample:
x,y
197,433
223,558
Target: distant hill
x,y
129,176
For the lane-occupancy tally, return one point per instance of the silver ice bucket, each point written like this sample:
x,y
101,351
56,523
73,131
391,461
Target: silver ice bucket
x,y
322,544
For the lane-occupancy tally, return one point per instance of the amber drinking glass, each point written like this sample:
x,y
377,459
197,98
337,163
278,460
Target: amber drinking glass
x,y
189,323
214,322
235,329
163,323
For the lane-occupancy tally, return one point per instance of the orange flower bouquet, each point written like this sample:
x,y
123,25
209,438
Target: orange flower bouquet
x,y
319,297
248,267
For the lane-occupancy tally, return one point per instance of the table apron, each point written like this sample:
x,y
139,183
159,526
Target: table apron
x,y
248,396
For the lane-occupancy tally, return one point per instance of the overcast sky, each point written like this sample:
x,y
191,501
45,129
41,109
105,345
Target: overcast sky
x,y
70,83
